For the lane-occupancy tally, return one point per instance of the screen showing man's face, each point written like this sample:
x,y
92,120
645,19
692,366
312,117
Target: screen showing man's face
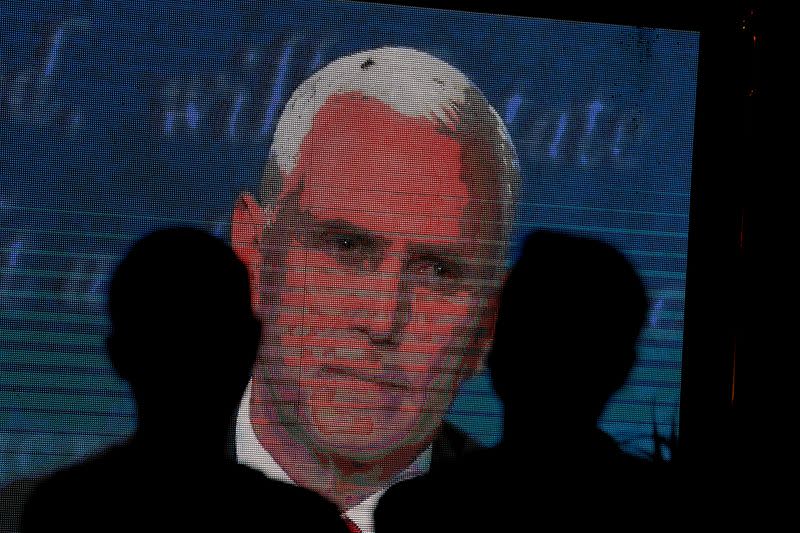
x,y
113,131
379,305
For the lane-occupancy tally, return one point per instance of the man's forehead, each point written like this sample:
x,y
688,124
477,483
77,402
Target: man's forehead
x,y
351,129
366,163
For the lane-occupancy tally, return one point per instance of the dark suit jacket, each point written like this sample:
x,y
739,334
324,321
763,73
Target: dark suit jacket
x,y
587,484
130,489
449,446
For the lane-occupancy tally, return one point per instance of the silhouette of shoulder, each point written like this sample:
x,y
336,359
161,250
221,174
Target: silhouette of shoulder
x,y
116,491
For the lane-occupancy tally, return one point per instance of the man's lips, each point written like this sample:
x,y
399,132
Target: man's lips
x,y
368,373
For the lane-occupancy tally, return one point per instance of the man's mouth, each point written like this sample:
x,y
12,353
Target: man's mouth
x,y
382,378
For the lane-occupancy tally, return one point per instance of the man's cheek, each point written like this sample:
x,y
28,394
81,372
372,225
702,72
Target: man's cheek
x,y
435,304
434,342
283,380
318,291
436,320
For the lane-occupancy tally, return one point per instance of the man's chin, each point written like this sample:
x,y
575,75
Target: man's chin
x,y
357,438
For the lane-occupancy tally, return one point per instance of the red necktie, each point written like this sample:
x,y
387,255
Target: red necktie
x,y
351,526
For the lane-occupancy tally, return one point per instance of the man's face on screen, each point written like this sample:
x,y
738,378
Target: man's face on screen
x,y
378,310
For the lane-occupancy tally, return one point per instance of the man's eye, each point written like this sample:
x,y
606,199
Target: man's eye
x,y
345,242
349,250
439,275
442,270
342,242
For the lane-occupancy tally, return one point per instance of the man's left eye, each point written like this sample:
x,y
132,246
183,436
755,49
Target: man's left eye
x,y
442,270
439,275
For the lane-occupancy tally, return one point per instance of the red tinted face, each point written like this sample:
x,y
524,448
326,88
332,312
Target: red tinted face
x,y
378,304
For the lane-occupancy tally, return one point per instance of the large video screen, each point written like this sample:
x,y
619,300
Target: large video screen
x,y
346,131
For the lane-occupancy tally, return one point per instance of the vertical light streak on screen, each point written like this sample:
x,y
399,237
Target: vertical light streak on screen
x,y
97,282
615,150
277,89
591,120
192,115
552,150
52,57
316,61
14,250
237,107
594,110
655,311
169,122
512,107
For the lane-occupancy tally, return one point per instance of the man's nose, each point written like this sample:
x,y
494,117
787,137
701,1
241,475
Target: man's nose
x,y
386,304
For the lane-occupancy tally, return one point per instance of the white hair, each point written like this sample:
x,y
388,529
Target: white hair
x,y
412,83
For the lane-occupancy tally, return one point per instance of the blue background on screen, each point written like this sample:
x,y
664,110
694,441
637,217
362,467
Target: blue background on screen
x,y
118,117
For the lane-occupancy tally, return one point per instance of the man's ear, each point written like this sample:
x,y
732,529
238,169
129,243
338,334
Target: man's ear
x,y
247,228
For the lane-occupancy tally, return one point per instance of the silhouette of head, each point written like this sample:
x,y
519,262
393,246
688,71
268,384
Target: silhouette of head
x,y
570,313
183,333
